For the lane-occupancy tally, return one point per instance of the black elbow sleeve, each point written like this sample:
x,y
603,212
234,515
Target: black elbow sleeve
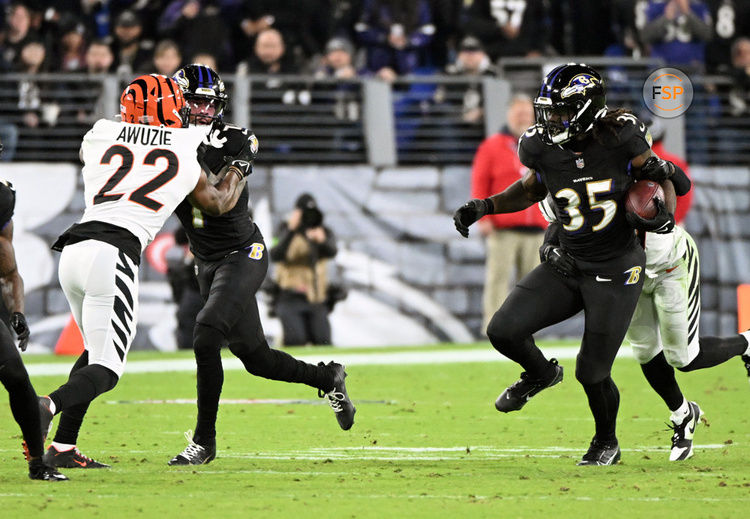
x,y
680,181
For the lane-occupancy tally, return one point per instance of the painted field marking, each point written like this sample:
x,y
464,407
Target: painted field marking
x,y
348,359
244,401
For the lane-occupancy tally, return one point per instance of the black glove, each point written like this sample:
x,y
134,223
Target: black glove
x,y
656,169
662,223
18,323
243,159
559,259
470,212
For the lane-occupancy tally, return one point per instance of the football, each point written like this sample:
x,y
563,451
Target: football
x,y
640,198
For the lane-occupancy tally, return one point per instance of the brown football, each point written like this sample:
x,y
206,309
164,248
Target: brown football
x,y
640,198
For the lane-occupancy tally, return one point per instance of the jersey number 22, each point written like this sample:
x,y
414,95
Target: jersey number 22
x,y
139,196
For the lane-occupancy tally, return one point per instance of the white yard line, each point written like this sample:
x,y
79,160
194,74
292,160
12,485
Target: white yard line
x,y
348,359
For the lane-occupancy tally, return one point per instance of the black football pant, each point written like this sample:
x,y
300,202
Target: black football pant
x,y
302,321
23,400
607,292
230,317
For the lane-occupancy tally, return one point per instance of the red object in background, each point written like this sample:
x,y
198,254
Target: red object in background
x,y
70,341
683,202
640,198
743,307
496,166
157,250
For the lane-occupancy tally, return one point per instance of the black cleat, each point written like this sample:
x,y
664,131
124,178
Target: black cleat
x,y
746,360
71,459
43,472
601,453
45,416
194,454
682,439
338,398
516,396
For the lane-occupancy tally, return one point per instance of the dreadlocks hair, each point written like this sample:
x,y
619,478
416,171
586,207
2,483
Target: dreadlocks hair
x,y
607,125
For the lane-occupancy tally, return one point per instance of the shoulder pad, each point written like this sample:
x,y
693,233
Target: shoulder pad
x,y
530,146
7,201
633,127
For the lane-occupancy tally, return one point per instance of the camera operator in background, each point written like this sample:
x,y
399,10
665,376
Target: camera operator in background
x,y
301,254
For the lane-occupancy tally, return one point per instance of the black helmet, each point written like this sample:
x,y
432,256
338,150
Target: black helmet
x,y
199,82
570,100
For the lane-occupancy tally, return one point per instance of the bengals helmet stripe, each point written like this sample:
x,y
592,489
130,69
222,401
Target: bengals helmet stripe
x,y
152,99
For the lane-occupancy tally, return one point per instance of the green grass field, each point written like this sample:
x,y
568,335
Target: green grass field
x,y
427,442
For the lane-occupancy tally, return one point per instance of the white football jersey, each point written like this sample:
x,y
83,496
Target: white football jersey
x,y
135,175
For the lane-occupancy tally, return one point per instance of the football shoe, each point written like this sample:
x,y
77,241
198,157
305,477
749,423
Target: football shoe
x,y
71,459
516,396
601,453
194,454
338,398
682,439
43,472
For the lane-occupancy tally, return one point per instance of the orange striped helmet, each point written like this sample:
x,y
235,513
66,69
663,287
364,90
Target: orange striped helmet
x,y
153,99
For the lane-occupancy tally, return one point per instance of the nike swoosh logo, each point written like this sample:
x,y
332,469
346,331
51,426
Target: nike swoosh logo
x,y
599,278
81,463
678,452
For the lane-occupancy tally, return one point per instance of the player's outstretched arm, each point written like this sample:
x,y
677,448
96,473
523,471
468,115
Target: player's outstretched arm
x,y
518,196
218,199
11,285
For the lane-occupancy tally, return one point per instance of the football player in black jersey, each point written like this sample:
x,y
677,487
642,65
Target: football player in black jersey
x,y
13,375
586,156
231,263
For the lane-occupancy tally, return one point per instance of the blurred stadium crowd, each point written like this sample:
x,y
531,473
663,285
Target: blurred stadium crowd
x,y
331,46
387,38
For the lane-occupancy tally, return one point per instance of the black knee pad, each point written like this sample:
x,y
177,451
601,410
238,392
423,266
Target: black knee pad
x,y
101,378
13,374
589,373
207,340
502,331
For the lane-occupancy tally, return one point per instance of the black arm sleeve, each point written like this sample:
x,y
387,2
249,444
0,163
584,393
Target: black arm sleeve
x,y
680,181
552,234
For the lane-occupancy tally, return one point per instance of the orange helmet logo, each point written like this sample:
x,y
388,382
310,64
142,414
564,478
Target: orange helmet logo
x,y
153,99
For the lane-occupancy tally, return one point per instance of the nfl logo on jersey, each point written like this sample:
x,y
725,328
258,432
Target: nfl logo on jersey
x,y
579,163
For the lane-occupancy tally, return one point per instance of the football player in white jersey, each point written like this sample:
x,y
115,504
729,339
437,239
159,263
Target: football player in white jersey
x,y
664,330
135,173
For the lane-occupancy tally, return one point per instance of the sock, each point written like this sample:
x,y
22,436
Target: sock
x,y
524,352
207,342
660,376
24,404
279,365
682,412
746,335
62,447
604,401
83,386
52,406
716,350
70,424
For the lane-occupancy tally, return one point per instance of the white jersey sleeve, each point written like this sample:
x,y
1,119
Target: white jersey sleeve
x,y
135,175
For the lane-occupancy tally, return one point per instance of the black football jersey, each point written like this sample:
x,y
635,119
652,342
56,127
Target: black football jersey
x,y
589,187
7,202
213,237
